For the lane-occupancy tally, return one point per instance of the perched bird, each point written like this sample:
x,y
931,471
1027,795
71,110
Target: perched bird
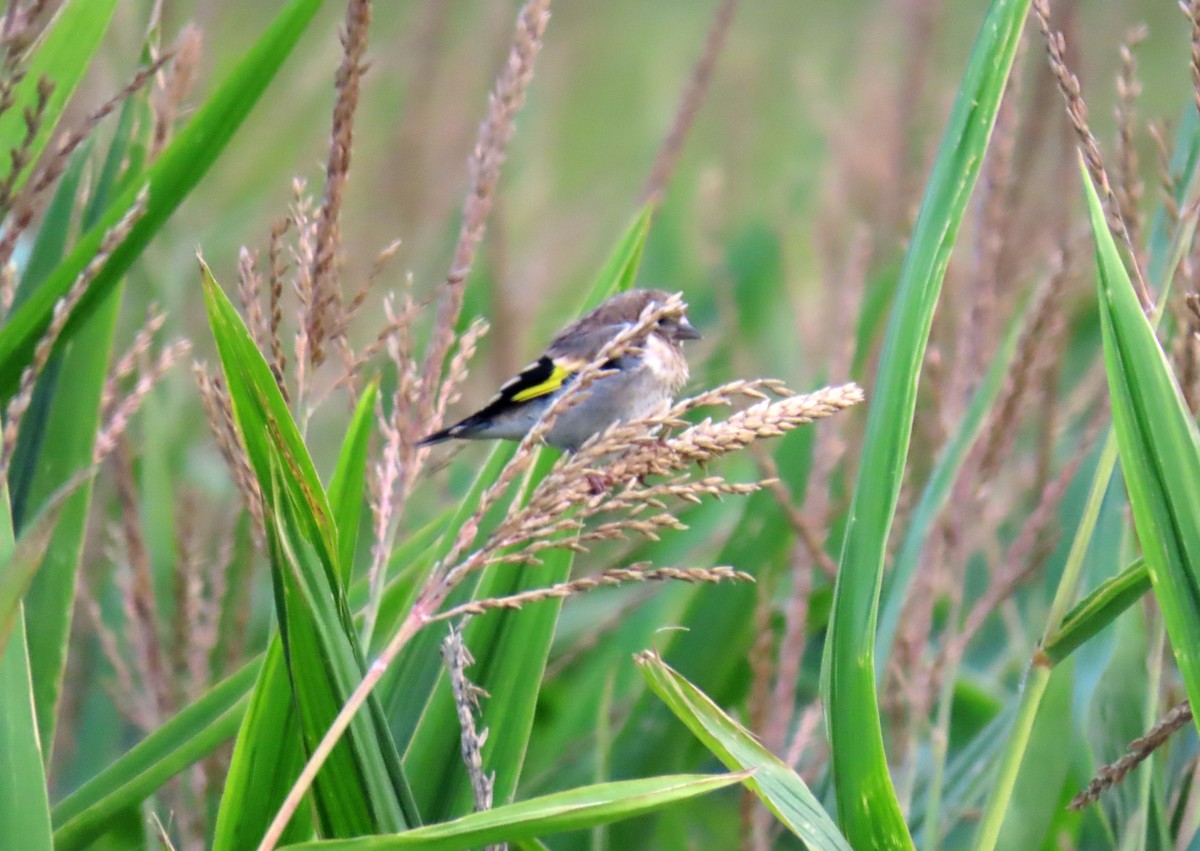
x,y
642,378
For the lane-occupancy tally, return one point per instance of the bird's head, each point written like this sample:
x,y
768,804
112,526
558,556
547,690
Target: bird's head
x,y
628,307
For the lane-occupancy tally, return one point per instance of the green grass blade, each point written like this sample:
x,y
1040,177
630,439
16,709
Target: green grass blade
x,y
1166,250
194,733
24,801
1037,678
188,737
1159,447
51,241
47,251
266,426
620,270
61,56
1097,610
349,481
70,430
354,795
937,490
361,787
267,758
1037,801
867,806
58,433
577,809
170,179
776,784
26,557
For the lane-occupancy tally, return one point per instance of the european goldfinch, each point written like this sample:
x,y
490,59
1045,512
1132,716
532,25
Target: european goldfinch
x,y
636,384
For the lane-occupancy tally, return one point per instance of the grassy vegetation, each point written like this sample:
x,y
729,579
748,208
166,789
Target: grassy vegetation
x,y
911,562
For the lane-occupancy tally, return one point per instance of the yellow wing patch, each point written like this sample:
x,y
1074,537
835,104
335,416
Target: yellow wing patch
x,y
548,385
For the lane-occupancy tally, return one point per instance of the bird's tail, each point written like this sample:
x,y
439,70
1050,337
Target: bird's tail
x,y
437,437
465,430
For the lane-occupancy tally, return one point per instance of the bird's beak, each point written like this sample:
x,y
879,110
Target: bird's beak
x,y
686,331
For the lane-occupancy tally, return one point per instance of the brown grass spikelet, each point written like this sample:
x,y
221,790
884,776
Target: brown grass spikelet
x,y
1159,132
1129,185
621,458
506,99
456,372
249,294
302,251
142,618
21,26
19,156
1139,750
669,152
1037,349
66,145
1187,352
127,695
326,307
605,579
218,409
1192,9
134,355
123,410
457,658
711,439
8,287
277,268
1028,550
175,86
1089,148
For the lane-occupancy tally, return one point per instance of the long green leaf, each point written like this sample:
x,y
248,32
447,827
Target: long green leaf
x,y
26,557
170,180
47,251
24,801
356,794
1097,610
1166,251
775,783
867,806
57,441
1159,447
349,481
577,809
267,758
360,791
70,430
937,490
191,735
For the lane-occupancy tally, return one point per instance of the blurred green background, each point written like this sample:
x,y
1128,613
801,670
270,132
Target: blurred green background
x,y
819,116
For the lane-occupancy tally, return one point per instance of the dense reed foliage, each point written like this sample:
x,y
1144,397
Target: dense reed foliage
x,y
910,561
